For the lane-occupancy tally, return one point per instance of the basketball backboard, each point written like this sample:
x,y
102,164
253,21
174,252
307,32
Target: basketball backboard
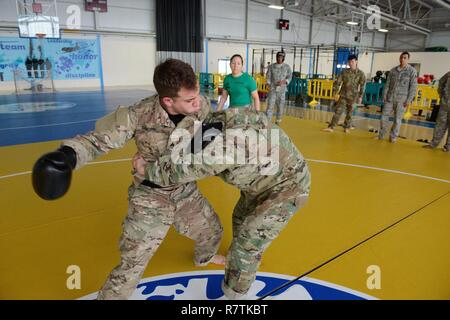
x,y
37,17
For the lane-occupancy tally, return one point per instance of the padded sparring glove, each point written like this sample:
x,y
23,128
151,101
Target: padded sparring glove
x,y
208,134
52,173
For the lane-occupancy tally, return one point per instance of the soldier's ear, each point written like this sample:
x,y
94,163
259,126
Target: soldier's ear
x,y
168,102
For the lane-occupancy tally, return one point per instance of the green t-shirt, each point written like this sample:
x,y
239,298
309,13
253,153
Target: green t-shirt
x,y
240,89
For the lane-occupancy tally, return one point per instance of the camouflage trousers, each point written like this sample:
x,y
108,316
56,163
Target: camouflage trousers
x,y
257,221
399,110
276,99
343,103
442,125
150,214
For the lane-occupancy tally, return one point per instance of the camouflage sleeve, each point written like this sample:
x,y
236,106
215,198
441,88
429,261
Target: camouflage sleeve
x,y
164,172
170,168
289,74
337,84
386,86
412,87
362,84
111,132
442,84
269,75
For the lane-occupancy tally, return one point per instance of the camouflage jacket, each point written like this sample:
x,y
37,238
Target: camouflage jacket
x,y
351,84
444,88
146,121
277,72
401,84
253,174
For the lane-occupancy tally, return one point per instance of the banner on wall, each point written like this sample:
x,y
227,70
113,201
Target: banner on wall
x,y
68,59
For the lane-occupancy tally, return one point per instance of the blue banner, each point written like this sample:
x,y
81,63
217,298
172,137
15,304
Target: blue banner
x,y
68,59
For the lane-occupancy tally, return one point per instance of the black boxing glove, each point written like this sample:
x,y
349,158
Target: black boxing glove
x,y
52,173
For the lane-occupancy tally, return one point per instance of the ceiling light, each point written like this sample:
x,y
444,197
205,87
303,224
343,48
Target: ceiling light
x,y
273,6
352,23
383,30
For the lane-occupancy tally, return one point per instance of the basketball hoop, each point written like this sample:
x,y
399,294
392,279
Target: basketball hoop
x,y
40,35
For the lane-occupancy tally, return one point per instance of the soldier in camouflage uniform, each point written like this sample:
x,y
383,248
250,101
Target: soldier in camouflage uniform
x,y
349,89
278,77
271,190
443,119
153,208
399,92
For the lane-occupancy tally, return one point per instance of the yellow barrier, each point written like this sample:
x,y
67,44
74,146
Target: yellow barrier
x,y
425,96
321,89
261,84
218,80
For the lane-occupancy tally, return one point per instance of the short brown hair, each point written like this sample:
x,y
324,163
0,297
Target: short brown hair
x,y
172,75
405,52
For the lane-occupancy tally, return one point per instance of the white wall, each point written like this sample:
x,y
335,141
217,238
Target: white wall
x,y
436,63
262,23
439,39
406,41
298,32
365,60
417,42
128,61
225,18
323,32
223,50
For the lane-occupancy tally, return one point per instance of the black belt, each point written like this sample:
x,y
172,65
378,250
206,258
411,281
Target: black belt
x,y
150,184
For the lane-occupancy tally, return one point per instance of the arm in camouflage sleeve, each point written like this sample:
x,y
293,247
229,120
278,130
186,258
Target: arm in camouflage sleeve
x,y
386,86
111,132
362,85
442,83
412,88
289,75
269,75
170,170
337,84
165,172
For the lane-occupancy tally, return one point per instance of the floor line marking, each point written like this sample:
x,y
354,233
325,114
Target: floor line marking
x,y
48,125
379,169
310,160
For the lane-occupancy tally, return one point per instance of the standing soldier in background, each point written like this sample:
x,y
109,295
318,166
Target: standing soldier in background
x,y
399,92
272,189
348,89
278,77
152,209
443,120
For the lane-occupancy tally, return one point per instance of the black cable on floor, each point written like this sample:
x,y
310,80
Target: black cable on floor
x,y
344,252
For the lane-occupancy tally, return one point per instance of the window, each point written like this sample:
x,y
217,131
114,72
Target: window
x,y
224,66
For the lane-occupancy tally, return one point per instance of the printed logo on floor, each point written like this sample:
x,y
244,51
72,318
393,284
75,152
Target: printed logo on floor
x,y
206,285
24,107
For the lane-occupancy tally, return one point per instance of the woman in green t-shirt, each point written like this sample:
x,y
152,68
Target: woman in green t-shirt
x,y
240,86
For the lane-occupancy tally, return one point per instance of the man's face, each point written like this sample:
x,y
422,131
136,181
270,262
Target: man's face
x,y
353,64
280,59
404,59
187,102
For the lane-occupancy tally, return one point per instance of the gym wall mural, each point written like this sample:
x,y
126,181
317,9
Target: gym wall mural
x,y
66,59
